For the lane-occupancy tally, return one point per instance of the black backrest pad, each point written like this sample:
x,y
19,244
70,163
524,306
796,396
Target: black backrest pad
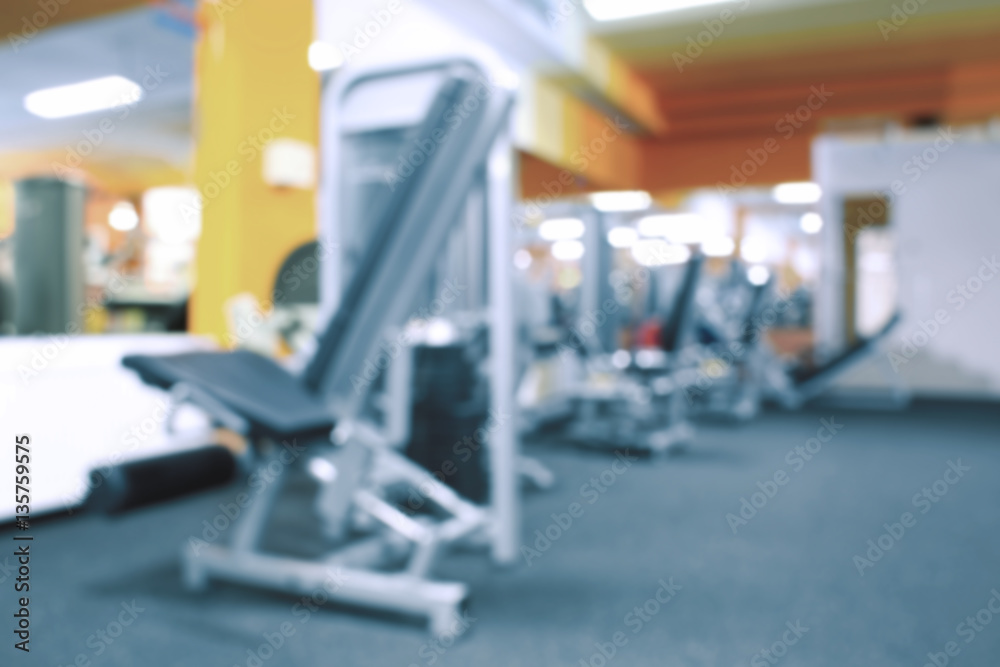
x,y
387,283
330,340
839,363
749,336
679,326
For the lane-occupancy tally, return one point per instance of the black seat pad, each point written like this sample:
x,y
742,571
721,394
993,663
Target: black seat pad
x,y
837,364
274,402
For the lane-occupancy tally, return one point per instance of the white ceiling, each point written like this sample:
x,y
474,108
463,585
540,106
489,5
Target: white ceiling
x,y
126,43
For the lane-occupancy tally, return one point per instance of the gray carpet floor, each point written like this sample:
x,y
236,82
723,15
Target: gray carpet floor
x,y
792,564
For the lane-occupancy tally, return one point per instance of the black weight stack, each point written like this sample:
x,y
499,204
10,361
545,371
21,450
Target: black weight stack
x,y
450,406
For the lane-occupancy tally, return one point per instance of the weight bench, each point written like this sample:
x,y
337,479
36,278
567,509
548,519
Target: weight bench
x,y
382,557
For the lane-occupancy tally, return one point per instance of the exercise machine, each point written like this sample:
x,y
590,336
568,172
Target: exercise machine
x,y
385,555
635,398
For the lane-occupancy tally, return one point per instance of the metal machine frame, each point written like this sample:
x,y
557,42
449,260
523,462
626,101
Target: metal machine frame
x,y
358,467
349,573
488,196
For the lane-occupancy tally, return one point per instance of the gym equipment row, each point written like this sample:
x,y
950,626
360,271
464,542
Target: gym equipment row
x,y
706,357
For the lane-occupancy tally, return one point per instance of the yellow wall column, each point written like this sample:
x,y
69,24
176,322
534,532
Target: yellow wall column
x,y
6,208
253,84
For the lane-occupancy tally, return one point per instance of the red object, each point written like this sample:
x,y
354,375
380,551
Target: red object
x,y
649,334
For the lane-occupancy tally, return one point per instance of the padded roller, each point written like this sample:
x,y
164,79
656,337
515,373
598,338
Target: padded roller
x,y
148,481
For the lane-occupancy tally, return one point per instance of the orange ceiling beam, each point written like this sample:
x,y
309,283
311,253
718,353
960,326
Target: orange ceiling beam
x,y
786,92
762,159
539,177
961,94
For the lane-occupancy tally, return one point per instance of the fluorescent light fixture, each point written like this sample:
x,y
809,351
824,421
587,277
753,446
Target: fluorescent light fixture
x,y
720,246
561,229
811,223
85,97
567,251
797,193
522,259
758,275
622,237
675,227
621,202
123,217
657,252
614,10
324,56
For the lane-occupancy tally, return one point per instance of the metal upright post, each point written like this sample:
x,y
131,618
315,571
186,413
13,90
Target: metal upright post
x,y
593,276
475,255
504,449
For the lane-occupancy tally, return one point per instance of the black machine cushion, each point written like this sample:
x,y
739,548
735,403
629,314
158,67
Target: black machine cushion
x,y
273,401
678,326
858,350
